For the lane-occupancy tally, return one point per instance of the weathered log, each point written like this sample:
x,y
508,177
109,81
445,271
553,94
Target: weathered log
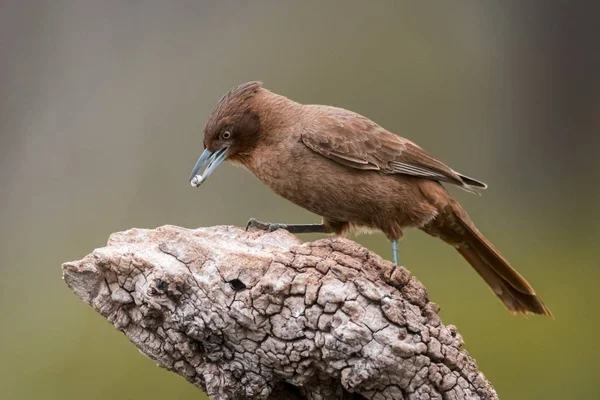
x,y
255,315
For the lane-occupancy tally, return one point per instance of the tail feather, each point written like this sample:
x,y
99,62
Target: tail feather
x,y
512,289
491,257
514,300
456,228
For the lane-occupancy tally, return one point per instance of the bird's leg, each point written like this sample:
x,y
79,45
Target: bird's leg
x,y
395,251
292,228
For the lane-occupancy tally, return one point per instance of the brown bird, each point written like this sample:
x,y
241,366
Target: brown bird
x,y
354,174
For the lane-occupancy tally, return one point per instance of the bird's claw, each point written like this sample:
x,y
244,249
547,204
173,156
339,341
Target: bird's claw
x,y
251,223
264,226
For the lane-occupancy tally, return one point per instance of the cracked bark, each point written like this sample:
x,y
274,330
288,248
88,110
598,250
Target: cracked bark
x,y
255,315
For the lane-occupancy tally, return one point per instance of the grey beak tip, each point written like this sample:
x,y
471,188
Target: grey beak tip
x,y
209,160
196,181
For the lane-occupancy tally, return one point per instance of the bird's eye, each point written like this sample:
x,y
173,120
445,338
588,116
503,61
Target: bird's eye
x,y
226,135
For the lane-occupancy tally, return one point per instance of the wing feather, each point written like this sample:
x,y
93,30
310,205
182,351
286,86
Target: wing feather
x,y
357,142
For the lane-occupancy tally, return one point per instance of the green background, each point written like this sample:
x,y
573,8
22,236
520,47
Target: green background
x,y
102,106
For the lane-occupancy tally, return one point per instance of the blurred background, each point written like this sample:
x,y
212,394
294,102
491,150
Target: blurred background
x,y
102,107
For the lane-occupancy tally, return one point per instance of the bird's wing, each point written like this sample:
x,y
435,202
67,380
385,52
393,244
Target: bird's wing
x,y
355,141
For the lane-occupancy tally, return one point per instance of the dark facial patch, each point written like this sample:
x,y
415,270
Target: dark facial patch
x,y
248,123
233,112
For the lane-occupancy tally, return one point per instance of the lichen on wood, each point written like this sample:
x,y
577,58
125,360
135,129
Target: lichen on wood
x,y
256,315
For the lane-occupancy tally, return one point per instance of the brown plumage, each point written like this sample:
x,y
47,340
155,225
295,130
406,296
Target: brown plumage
x,y
355,174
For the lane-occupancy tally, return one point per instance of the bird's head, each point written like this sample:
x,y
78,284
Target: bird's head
x,y
230,132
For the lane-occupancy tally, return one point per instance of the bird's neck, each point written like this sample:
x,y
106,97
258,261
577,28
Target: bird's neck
x,y
278,114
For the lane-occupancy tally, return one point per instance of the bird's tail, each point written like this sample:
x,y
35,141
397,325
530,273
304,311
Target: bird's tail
x,y
456,228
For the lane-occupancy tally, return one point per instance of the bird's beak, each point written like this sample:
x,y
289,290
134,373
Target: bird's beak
x,y
209,160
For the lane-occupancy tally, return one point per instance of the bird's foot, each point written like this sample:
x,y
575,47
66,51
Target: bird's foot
x,y
264,226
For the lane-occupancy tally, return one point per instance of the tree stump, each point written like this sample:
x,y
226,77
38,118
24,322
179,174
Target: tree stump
x,y
256,315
